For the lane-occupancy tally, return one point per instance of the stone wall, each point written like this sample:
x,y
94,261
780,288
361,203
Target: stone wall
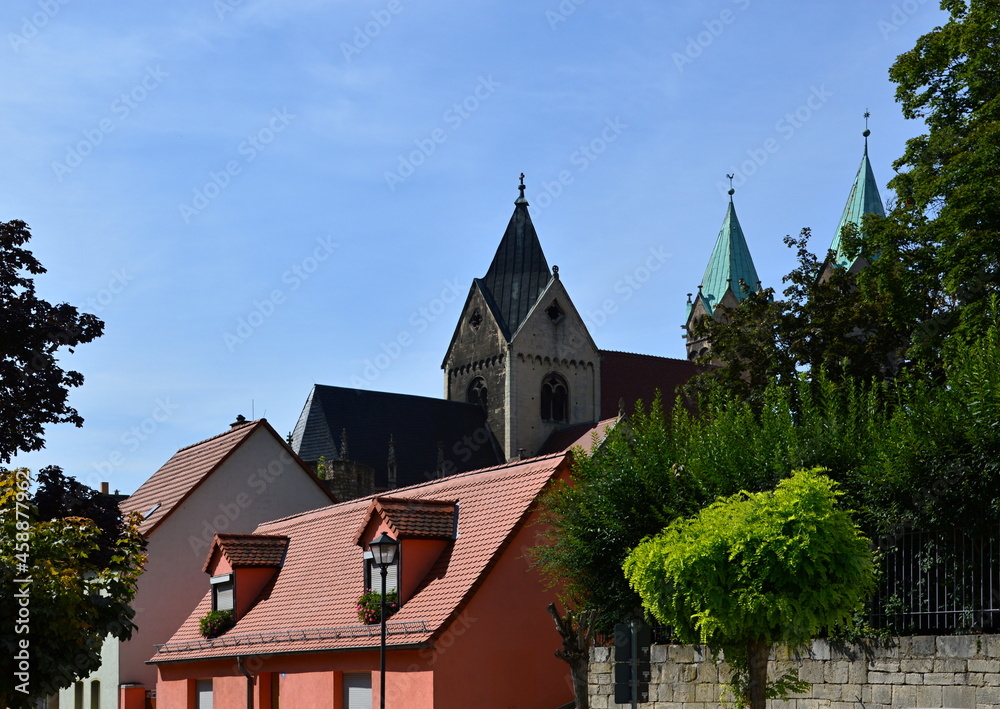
x,y
960,671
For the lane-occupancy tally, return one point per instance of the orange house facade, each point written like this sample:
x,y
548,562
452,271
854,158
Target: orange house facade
x,y
471,629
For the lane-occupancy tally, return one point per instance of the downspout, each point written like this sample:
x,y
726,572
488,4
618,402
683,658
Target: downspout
x,y
246,673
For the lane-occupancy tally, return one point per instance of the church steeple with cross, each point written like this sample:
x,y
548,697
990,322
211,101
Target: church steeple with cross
x,y
521,350
728,279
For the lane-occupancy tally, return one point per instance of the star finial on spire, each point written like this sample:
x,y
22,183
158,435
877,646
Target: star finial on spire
x,y
731,190
867,132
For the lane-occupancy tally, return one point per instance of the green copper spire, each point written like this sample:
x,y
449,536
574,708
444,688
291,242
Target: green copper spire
x,y
730,262
864,199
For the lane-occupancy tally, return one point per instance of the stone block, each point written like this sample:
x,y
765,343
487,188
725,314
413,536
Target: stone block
x,y
939,678
658,653
600,654
687,673
701,653
992,646
921,665
604,679
857,673
725,674
991,680
707,672
887,677
882,694
827,691
600,667
852,693
950,665
904,697
600,701
957,646
684,693
928,696
782,704
814,704
885,665
959,697
820,650
843,705
914,678
810,671
663,692
836,672
921,646
681,653
708,693
984,665
669,672
988,695
866,694
974,679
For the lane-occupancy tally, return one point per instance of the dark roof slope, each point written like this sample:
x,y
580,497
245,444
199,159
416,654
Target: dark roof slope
x,y
630,377
518,273
420,427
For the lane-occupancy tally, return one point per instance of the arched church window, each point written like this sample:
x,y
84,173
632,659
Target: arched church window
x,y
555,398
477,392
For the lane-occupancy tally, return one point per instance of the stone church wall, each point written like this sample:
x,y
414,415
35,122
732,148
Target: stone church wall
x,y
958,671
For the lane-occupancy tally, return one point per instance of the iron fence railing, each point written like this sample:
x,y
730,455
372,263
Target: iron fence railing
x,y
938,583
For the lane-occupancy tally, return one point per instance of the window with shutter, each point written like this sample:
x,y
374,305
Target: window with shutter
x,y
357,690
203,693
223,593
373,575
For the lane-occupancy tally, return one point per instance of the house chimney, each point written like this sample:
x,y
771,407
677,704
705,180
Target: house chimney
x,y
104,488
240,420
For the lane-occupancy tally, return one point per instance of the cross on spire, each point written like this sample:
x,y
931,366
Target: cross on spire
x,y
521,199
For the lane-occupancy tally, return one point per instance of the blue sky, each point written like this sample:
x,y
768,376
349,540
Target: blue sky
x,y
260,195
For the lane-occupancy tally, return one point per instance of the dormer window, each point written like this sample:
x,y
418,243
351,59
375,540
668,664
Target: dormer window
x,y
223,593
373,574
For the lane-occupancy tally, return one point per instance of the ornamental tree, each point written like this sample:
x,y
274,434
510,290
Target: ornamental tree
x,y
60,599
33,386
753,571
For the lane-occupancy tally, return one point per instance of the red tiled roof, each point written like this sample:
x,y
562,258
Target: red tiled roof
x,y
252,550
186,470
628,377
320,581
409,519
587,435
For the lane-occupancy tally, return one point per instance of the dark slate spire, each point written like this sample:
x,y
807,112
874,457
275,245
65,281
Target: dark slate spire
x,y
519,272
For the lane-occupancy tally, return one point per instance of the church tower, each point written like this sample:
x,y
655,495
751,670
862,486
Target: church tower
x,y
729,266
864,199
521,349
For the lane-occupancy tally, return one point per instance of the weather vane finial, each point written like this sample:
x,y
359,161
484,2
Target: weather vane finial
x,y
731,190
867,132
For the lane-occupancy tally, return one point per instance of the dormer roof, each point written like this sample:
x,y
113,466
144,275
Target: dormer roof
x,y
412,519
864,199
729,264
518,273
249,550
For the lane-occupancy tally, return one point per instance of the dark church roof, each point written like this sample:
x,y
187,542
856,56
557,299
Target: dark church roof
x,y
629,377
518,274
428,434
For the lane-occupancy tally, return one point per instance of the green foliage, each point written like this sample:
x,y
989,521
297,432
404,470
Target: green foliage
x,y
767,568
73,601
215,623
370,606
631,487
939,248
33,387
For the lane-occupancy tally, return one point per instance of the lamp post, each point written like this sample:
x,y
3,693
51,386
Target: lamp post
x,y
384,553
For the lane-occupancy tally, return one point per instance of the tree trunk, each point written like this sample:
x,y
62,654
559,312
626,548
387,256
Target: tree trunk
x,y
757,652
576,649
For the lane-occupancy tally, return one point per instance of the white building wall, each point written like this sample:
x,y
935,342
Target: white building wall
x,y
259,482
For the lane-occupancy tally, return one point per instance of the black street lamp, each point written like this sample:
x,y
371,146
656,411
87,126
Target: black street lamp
x,y
383,552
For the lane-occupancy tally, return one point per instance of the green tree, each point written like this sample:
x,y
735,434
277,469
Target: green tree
x,y
939,247
753,571
33,386
60,601
629,488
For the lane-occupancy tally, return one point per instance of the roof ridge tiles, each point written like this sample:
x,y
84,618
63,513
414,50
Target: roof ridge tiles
x,y
232,430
